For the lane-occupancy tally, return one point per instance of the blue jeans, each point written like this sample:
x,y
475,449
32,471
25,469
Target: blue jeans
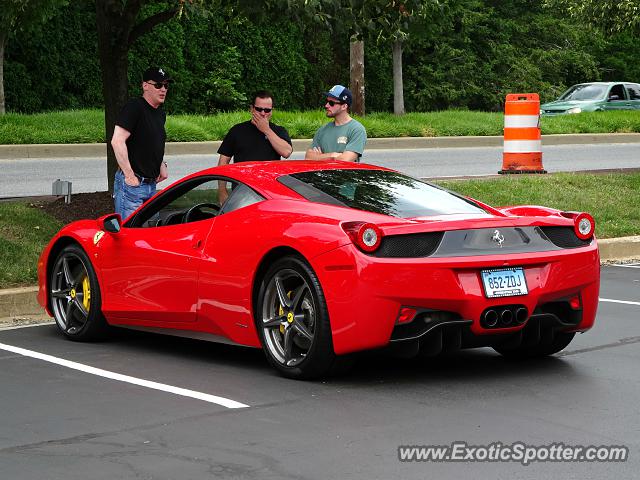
x,y
126,198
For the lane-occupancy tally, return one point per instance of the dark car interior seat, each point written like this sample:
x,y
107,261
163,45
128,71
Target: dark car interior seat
x,y
617,93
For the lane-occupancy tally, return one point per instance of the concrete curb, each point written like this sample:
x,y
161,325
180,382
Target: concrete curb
x,y
21,302
205,148
623,248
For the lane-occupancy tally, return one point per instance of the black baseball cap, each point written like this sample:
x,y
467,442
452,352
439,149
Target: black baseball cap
x,y
156,74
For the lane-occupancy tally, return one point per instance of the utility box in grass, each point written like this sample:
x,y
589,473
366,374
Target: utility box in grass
x,y
62,188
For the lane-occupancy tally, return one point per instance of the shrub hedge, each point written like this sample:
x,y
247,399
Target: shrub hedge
x,y
469,57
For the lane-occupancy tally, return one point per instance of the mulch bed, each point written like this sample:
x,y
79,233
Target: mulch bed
x,y
82,206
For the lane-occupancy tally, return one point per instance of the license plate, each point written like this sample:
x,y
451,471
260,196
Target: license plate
x,y
504,282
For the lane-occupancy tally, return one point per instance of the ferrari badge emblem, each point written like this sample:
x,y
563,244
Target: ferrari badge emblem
x,y
97,237
498,238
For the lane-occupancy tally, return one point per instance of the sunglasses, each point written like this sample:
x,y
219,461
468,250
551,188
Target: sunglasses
x,y
260,109
332,103
158,86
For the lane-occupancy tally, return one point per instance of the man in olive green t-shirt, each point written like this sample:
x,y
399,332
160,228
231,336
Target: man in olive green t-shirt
x,y
342,139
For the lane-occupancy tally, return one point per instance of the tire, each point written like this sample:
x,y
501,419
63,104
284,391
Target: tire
x,y
74,294
293,322
542,349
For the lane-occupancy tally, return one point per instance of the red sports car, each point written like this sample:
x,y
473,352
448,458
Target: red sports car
x,y
315,260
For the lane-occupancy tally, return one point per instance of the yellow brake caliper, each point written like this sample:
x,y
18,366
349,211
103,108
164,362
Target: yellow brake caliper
x,y
281,312
86,293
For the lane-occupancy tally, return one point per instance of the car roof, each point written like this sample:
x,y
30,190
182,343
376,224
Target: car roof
x,y
276,169
601,83
263,175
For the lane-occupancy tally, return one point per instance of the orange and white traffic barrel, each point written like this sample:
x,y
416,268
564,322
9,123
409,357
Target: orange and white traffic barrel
x,y
522,140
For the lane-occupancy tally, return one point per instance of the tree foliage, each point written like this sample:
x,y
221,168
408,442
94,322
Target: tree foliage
x,y
612,15
18,15
471,57
385,19
482,50
379,19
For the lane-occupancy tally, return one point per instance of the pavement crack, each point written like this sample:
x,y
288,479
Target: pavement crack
x,y
98,435
619,343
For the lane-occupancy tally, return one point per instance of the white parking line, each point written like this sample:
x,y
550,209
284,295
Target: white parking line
x,y
625,302
225,402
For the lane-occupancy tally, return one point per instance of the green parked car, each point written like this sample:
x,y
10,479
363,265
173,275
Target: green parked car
x,y
595,97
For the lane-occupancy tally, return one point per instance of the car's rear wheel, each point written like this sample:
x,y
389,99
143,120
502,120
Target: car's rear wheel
x,y
558,342
293,322
75,296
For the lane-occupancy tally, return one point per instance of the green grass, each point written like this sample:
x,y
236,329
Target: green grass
x,y
72,126
87,126
24,230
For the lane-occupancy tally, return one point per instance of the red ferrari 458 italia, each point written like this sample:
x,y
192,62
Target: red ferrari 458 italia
x,y
312,261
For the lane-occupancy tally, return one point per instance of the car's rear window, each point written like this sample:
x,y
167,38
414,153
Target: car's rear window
x,y
379,191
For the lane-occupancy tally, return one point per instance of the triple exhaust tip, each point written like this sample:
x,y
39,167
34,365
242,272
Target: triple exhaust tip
x,y
504,316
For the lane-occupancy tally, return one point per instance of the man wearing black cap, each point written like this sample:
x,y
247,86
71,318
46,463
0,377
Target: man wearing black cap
x,y
342,139
138,143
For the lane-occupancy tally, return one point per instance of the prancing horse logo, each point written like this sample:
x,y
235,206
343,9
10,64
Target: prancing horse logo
x,y
498,238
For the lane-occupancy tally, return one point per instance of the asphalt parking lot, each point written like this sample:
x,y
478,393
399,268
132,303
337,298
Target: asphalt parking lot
x,y
153,407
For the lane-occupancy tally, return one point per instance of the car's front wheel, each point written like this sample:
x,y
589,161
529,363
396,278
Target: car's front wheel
x,y
293,322
75,296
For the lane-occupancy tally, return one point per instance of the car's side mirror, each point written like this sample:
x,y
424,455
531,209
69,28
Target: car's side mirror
x,y
111,223
614,97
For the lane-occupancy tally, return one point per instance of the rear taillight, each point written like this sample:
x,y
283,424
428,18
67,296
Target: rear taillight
x,y
583,224
366,236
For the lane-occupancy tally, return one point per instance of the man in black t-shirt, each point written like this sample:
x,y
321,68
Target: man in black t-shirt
x,y
255,139
138,143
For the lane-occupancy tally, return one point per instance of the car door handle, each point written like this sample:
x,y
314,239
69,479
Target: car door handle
x,y
197,244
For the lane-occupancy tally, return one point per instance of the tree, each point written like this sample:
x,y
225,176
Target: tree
x,y
120,23
395,19
383,19
611,15
17,15
388,20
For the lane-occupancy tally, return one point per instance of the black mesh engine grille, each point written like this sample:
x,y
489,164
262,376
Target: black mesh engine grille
x,y
409,246
564,237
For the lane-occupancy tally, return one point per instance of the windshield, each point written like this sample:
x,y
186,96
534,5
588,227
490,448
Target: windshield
x,y
379,191
585,91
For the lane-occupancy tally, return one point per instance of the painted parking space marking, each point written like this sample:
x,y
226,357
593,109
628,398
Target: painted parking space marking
x,y
624,302
225,402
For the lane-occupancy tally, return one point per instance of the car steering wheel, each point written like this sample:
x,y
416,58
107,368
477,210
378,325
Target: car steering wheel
x,y
197,208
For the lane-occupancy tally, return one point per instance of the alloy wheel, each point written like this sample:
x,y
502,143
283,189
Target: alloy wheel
x,y
288,317
70,292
